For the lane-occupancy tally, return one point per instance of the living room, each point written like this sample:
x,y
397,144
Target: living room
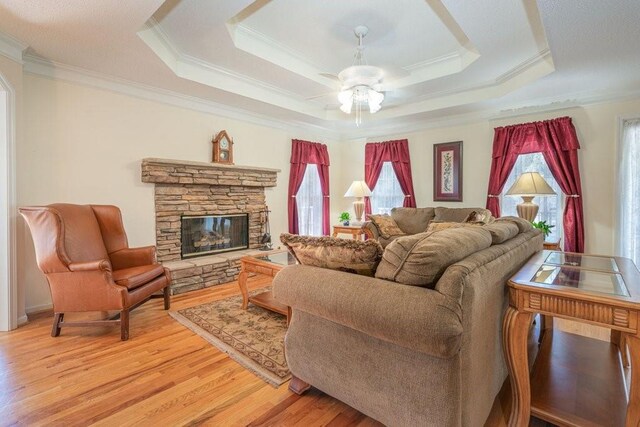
x,y
91,90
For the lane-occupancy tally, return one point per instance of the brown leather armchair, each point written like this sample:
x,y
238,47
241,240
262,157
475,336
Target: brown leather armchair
x,y
84,253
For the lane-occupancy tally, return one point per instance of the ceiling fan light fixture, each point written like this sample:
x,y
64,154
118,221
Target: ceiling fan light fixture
x,y
359,83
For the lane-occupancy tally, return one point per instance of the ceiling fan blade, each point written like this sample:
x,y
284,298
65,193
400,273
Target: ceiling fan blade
x,y
330,76
320,96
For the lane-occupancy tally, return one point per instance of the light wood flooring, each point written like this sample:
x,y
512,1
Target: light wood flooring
x,y
165,375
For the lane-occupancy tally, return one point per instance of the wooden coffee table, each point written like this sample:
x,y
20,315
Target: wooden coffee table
x,y
575,380
268,265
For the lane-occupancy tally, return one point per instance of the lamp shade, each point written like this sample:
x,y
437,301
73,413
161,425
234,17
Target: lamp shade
x,y
358,189
530,184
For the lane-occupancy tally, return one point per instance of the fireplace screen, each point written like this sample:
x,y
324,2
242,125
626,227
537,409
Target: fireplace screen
x,y
210,234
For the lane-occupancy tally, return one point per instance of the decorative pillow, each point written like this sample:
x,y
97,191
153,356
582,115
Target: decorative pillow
x,y
437,226
352,256
386,225
460,214
412,220
421,259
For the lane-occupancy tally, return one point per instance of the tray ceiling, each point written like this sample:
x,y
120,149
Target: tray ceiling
x,y
273,60
284,52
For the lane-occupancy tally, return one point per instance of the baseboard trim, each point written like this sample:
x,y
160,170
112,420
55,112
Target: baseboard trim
x,y
38,308
22,320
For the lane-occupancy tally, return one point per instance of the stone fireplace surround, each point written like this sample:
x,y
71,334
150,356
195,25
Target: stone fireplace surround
x,y
199,188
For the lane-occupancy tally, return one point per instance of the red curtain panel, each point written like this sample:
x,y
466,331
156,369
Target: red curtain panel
x,y
304,153
558,142
396,152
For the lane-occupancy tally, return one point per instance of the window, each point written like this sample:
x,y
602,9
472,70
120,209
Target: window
x,y
551,207
387,193
629,204
309,200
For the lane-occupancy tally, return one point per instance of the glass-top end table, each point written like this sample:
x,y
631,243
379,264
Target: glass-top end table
x,y
280,258
599,290
590,262
602,282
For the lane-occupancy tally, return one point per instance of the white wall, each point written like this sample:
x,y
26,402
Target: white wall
x,y
85,145
597,127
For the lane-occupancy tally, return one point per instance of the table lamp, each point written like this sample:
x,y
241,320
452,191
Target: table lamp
x,y
528,185
358,189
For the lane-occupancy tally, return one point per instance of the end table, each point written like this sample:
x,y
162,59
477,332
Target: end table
x,y
355,230
575,380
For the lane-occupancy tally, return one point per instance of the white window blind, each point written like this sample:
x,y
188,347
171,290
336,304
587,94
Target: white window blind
x,y
629,202
551,207
309,201
387,193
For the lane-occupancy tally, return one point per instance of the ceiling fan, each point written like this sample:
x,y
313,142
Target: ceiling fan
x,y
360,84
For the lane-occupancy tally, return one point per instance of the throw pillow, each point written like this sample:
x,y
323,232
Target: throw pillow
x,y
386,225
437,226
352,256
522,224
421,259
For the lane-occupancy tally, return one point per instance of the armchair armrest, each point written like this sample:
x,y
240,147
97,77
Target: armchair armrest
x,y
133,257
101,264
416,318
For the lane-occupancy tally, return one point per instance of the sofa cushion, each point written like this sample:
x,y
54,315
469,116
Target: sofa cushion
x,y
460,214
134,277
438,225
523,224
421,259
352,256
413,220
386,225
502,231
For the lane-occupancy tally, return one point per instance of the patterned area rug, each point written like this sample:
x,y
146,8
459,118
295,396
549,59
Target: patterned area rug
x,y
253,337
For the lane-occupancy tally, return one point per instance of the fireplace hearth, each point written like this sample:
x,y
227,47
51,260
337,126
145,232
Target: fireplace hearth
x,y
210,234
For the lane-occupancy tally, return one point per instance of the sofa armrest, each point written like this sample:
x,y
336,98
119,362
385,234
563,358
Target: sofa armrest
x,y
133,257
371,231
416,318
99,265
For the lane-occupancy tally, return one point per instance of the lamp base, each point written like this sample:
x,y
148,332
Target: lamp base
x,y
527,209
358,209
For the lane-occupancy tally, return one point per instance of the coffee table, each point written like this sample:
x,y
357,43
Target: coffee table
x,y
268,265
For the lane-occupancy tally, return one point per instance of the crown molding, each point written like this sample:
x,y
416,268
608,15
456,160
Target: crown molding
x,y
58,71
12,48
202,72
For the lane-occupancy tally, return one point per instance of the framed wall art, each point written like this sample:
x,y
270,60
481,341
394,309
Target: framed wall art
x,y
447,172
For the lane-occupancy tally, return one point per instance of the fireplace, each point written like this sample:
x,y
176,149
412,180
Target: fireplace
x,y
210,234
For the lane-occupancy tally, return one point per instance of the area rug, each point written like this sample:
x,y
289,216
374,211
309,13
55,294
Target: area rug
x,y
254,337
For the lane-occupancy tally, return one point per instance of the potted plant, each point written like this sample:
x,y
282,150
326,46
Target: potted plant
x,y
542,225
344,218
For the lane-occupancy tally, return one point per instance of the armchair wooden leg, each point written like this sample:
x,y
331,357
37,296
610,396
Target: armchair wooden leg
x,y
124,324
298,386
167,297
57,319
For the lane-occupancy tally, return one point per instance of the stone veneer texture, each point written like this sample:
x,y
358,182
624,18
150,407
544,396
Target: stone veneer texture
x,y
197,188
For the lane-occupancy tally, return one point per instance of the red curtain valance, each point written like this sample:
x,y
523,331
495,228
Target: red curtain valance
x,y
388,151
307,152
532,137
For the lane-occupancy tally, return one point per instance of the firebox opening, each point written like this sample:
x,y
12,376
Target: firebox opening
x,y
210,234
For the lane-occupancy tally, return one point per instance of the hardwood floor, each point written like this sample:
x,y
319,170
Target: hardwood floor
x,y
164,375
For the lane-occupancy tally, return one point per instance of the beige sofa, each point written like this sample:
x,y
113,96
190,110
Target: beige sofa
x,y
406,355
416,220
